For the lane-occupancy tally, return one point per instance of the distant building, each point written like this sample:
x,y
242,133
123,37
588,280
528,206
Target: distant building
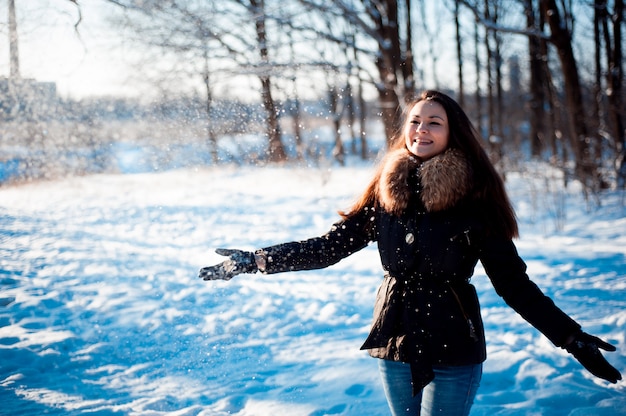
x,y
23,99
26,99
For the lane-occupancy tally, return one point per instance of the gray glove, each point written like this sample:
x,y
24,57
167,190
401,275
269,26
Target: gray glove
x,y
239,261
586,349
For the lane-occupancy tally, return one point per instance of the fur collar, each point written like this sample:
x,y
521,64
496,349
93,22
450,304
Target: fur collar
x,y
445,179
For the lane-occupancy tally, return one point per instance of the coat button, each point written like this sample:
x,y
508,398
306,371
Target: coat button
x,y
409,238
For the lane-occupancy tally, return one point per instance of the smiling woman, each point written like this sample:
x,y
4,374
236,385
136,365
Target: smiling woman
x,y
427,131
436,208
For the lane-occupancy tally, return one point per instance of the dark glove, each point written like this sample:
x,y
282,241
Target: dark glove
x,y
238,262
585,348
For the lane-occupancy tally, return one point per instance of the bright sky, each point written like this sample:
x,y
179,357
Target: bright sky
x,y
91,62
96,60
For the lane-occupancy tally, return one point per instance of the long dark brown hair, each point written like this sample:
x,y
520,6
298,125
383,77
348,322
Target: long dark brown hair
x,y
488,188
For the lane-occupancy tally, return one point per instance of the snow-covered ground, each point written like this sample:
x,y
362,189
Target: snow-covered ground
x,y
101,311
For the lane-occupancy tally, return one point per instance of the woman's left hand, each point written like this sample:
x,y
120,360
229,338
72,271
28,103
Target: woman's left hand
x,y
586,349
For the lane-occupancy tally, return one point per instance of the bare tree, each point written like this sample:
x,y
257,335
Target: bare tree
x,y
536,85
362,110
478,69
459,54
497,52
560,37
494,82
13,44
354,102
586,169
211,134
276,151
295,107
614,75
390,60
374,38
187,29
335,110
381,21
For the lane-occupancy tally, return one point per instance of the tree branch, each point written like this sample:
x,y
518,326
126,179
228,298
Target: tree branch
x,y
490,24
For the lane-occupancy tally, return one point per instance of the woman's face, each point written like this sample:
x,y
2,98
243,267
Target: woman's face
x,y
426,131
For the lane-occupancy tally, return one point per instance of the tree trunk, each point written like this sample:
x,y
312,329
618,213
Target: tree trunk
x,y
586,170
388,62
387,97
361,105
597,121
459,55
362,118
555,127
295,110
348,100
13,44
498,134
338,150
537,95
478,69
499,110
407,61
394,64
211,136
276,150
553,114
615,75
297,128
491,112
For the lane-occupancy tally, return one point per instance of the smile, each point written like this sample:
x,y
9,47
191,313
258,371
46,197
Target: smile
x,y
422,141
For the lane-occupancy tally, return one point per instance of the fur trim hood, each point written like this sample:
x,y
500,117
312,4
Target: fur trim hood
x,y
445,179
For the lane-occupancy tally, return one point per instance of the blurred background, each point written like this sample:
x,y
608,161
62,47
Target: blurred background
x,y
89,86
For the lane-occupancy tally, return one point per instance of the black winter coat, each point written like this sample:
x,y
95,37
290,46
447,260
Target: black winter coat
x,y
426,311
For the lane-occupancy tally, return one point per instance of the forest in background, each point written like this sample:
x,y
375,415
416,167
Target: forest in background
x,y
539,78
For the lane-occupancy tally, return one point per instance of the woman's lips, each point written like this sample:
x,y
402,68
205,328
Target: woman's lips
x,y
422,141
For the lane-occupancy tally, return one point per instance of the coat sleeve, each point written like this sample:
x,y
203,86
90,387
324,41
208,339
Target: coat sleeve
x,y
343,239
507,272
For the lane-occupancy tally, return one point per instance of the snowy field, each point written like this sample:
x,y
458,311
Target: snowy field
x,y
101,312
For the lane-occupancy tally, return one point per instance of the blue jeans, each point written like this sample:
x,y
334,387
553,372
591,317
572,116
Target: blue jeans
x,y
451,393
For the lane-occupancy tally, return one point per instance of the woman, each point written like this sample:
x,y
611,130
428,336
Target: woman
x,y
436,206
